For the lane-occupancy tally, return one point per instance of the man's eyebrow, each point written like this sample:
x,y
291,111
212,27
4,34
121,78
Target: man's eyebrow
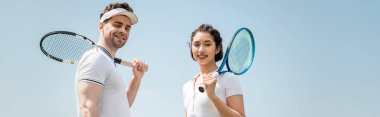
x,y
121,23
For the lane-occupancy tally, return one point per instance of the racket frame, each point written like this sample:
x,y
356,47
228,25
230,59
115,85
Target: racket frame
x,y
116,60
228,51
62,32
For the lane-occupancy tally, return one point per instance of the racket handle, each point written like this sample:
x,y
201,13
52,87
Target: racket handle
x,y
202,87
126,63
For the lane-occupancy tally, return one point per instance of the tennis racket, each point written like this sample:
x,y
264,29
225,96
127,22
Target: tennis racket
x,y
68,47
239,54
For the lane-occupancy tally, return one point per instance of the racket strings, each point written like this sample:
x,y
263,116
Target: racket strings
x,y
66,47
240,55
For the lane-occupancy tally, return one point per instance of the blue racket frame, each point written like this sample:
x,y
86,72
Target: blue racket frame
x,y
225,59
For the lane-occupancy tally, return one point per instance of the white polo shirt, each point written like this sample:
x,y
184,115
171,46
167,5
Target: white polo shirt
x,y
96,66
198,104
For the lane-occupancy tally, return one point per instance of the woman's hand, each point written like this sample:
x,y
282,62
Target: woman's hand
x,y
210,83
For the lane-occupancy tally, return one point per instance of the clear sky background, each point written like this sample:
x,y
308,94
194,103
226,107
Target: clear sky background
x,y
314,58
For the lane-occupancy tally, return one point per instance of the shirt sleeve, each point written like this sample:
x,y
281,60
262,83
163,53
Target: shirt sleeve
x,y
91,68
231,83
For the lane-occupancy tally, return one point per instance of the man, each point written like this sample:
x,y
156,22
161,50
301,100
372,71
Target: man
x,y
100,88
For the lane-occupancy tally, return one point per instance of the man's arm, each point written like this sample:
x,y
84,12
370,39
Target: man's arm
x,y
89,95
132,89
138,70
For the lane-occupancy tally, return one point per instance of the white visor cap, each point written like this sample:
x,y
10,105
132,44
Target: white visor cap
x,y
119,11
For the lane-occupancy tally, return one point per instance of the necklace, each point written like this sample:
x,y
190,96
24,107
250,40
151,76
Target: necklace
x,y
194,85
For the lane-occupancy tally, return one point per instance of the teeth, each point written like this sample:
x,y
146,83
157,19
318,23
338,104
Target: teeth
x,y
119,36
202,56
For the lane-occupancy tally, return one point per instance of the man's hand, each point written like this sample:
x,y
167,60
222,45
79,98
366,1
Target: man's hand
x,y
139,68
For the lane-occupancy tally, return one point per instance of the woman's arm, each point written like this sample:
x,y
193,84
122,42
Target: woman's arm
x,y
234,107
235,103
185,113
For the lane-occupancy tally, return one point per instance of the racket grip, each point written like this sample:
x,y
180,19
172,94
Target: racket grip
x,y
202,87
126,63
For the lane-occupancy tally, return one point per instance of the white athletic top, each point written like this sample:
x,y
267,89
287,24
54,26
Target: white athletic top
x,y
198,104
96,66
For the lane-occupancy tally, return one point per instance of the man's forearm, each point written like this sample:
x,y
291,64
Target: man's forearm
x,y
132,90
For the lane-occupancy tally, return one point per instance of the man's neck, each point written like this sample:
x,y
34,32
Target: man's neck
x,y
111,50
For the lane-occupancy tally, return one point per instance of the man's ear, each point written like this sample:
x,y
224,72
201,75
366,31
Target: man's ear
x,y
101,26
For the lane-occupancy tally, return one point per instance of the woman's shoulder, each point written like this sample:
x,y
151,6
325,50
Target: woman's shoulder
x,y
191,81
187,86
187,83
231,83
227,78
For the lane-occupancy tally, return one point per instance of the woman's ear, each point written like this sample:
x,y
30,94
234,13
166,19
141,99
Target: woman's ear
x,y
218,50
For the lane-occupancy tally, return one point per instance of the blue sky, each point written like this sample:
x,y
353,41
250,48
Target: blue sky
x,y
313,58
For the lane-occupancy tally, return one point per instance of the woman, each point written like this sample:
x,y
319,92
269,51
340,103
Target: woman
x,y
223,96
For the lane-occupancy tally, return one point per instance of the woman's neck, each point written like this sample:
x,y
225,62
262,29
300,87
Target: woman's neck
x,y
206,69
